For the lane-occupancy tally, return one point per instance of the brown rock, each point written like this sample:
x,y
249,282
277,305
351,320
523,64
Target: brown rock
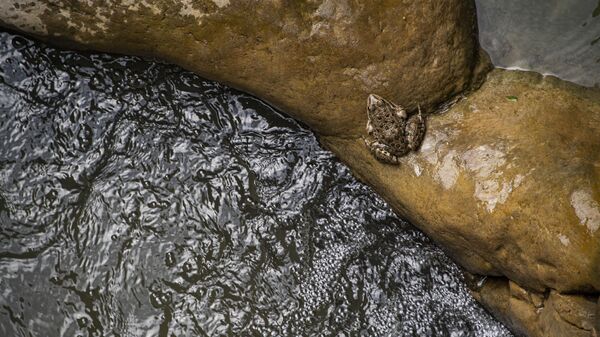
x,y
317,60
557,316
570,311
506,181
598,317
498,296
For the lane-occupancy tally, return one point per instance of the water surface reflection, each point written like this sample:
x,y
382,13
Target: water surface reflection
x,y
554,37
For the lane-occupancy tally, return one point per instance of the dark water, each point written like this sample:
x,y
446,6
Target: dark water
x,y
137,199
557,37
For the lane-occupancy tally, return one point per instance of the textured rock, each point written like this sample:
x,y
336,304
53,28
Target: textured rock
x,y
506,181
537,314
317,60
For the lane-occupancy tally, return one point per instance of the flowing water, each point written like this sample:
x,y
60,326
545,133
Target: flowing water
x,y
137,199
556,37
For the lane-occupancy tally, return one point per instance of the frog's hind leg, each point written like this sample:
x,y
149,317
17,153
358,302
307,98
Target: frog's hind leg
x,y
415,131
381,152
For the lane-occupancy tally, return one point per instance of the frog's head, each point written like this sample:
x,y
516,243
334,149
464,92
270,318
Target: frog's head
x,y
381,111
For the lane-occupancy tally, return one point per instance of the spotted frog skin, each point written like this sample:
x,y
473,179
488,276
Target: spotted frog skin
x,y
392,132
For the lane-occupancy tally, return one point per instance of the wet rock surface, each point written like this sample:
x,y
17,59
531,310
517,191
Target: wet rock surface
x,y
137,199
315,60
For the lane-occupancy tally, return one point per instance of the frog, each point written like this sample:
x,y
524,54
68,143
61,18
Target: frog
x,y
392,131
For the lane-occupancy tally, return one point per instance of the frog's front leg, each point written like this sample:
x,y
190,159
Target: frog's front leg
x,y
382,152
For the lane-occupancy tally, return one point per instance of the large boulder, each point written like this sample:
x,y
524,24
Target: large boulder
x,y
316,60
508,182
